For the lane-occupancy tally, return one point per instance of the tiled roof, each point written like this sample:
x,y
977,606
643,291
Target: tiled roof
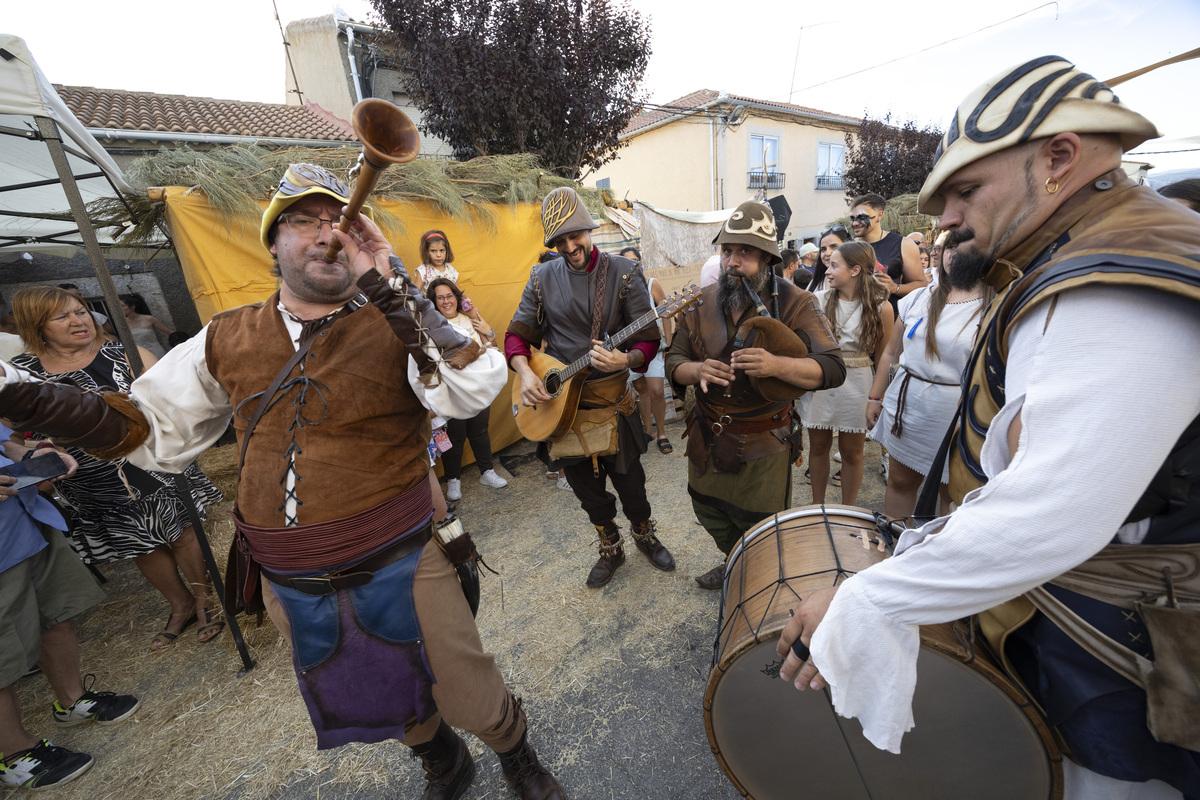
x,y
696,100
671,109
174,113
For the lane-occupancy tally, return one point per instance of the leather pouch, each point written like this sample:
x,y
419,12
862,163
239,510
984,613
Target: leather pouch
x,y
1172,679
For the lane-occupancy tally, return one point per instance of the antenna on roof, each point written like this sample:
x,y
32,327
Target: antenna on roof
x,y
288,53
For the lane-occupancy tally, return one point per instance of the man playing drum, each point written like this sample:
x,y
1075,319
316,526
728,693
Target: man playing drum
x,y
570,304
334,497
1075,463
742,436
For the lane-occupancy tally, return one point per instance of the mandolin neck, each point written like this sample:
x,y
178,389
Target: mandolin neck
x,y
616,340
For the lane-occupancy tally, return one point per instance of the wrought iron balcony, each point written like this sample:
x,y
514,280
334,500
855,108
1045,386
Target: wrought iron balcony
x,y
830,182
757,179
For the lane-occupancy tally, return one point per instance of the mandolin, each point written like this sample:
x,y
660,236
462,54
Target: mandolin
x,y
564,382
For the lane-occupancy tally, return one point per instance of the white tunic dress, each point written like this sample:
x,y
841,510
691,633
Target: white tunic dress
x,y
933,386
843,408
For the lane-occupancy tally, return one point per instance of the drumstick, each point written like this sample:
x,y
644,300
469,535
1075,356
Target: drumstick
x,y
798,646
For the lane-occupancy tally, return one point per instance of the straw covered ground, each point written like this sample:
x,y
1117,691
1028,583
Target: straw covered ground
x,y
613,679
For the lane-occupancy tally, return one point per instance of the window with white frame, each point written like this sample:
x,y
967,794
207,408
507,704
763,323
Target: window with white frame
x,y
764,162
831,160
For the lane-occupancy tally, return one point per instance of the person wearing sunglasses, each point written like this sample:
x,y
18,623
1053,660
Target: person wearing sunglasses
x,y
899,255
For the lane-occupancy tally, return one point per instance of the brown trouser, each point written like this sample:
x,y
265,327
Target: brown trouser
x,y
469,689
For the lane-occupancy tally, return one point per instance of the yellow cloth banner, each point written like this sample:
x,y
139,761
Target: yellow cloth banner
x,y
226,267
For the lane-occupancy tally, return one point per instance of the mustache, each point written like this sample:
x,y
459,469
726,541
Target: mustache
x,y
958,236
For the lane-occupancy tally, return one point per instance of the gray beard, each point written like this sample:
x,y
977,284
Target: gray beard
x,y
732,294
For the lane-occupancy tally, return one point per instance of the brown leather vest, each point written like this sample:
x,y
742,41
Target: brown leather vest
x,y
1112,232
706,330
361,435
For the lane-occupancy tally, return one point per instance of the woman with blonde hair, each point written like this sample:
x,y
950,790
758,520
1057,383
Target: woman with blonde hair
x,y
117,510
861,317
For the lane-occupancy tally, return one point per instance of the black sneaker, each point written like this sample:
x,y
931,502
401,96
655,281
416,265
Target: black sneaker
x,y
43,766
103,707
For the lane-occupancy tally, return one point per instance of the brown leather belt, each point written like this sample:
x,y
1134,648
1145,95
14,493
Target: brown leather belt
x,y
729,423
358,574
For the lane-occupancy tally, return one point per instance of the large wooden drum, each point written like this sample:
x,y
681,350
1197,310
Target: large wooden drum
x,y
977,736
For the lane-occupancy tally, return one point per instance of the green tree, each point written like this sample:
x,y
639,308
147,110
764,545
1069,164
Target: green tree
x,y
888,160
554,78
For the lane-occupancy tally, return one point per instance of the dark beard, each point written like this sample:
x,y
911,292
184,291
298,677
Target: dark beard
x,y
732,294
968,266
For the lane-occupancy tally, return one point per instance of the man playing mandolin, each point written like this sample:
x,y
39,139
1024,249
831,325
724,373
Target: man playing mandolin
x,y
571,305
742,433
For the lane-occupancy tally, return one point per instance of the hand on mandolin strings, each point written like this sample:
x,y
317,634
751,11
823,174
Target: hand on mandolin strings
x,y
808,615
605,360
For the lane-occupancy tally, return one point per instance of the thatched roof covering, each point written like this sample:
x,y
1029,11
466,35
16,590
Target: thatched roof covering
x,y
234,179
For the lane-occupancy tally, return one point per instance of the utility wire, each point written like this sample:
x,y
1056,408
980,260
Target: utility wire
x,y
927,49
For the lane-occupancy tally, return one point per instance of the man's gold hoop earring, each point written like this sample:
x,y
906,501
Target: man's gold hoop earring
x,y
1048,189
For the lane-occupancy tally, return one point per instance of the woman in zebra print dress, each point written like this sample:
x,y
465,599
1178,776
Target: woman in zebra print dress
x,y
118,510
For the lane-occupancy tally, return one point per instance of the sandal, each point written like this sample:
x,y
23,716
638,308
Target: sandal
x,y
166,637
836,480
664,446
212,622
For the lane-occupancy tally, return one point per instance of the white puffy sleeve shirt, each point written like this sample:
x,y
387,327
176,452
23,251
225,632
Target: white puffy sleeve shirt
x,y
1104,386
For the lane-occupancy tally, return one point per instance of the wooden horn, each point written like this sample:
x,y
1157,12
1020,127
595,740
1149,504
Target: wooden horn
x,y
388,137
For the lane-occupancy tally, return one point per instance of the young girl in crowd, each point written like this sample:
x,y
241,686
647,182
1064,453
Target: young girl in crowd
x,y
436,258
831,239
858,311
932,340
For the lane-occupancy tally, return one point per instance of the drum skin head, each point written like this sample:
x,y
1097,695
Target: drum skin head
x,y
970,739
975,734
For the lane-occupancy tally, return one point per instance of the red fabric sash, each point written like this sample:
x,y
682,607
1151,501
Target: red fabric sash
x,y
302,548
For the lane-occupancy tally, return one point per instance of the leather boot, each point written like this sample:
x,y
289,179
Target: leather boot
x,y
612,555
526,776
448,765
713,580
648,543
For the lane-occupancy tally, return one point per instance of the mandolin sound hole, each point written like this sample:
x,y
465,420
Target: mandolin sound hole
x,y
553,382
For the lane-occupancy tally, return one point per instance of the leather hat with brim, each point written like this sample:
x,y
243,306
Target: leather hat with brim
x,y
563,212
752,223
298,182
1038,99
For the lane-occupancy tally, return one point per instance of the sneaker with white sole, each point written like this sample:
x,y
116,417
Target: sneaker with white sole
x,y
104,708
563,483
454,489
43,766
491,480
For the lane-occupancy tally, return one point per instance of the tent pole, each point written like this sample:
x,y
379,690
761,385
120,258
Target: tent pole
x,y
49,133
185,493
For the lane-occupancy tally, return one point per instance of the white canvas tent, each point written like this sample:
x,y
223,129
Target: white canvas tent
x,y
46,155
50,168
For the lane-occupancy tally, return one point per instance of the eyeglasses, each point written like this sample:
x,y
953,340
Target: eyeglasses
x,y
440,297
833,229
861,219
306,223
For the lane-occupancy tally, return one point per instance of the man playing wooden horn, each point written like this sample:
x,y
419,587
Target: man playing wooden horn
x,y
1076,460
742,435
570,304
334,497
